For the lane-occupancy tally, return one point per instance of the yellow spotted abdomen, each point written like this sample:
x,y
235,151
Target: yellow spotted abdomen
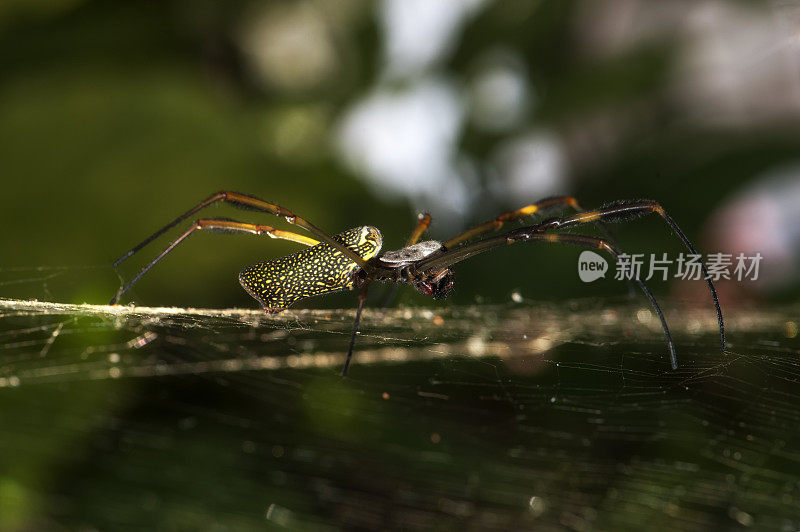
x,y
315,271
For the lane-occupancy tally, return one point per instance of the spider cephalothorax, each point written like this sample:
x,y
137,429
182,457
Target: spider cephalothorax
x,y
351,260
398,267
436,283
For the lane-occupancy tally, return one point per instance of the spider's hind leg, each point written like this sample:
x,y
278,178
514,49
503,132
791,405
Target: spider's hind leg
x,y
219,225
252,203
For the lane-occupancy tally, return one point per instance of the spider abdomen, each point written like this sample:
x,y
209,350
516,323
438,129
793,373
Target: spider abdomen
x,y
314,271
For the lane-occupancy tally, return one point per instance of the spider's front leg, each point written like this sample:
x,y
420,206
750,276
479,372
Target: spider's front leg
x,y
604,245
540,207
534,234
614,212
625,210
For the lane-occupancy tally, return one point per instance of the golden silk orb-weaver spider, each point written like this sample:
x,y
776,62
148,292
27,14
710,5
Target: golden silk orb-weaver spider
x,y
352,259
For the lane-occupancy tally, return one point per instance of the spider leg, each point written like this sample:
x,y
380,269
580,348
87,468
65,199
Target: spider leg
x,y
605,245
614,212
247,202
564,238
362,298
625,210
423,222
558,202
542,206
217,226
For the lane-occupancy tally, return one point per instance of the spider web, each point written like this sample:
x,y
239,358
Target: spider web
x,y
493,416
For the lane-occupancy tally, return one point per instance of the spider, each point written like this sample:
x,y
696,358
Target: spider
x,y
352,259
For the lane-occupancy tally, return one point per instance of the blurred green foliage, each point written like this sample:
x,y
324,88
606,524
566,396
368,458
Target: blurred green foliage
x,y
116,116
